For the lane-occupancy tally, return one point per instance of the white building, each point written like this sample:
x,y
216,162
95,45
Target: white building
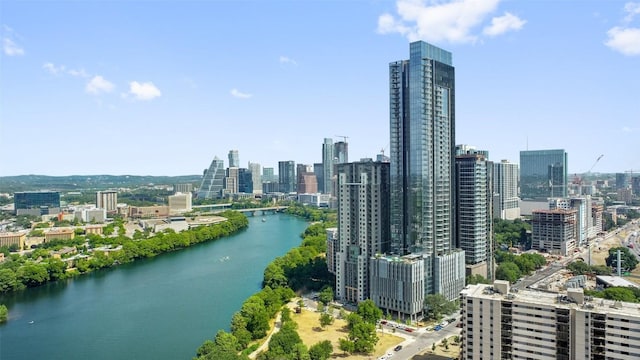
x,y
91,215
107,200
505,185
500,324
180,203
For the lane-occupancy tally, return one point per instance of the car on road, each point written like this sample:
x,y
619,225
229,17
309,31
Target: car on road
x,y
397,348
437,328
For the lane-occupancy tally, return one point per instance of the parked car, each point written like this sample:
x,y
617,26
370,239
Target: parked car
x,y
397,348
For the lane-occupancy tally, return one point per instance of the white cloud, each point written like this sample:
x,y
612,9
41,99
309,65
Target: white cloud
x,y
240,95
287,60
632,9
624,40
11,48
52,69
502,24
453,20
78,73
98,85
143,91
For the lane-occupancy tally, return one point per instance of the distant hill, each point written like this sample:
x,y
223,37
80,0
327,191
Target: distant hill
x,y
11,184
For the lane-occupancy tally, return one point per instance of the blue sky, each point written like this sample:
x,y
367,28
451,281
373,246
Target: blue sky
x,y
161,87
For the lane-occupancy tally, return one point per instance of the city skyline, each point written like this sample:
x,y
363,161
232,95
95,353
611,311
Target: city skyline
x,y
160,88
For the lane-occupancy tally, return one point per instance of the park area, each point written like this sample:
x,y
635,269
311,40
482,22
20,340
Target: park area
x,y
311,333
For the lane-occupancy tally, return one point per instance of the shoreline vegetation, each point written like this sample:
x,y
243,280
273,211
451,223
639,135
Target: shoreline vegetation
x,y
301,269
96,252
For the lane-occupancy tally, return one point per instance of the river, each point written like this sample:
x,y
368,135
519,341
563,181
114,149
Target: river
x,y
159,308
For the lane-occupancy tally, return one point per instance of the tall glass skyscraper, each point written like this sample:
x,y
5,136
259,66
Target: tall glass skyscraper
x,y
543,174
327,165
422,184
422,146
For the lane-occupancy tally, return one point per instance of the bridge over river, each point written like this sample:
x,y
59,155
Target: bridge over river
x,y
248,212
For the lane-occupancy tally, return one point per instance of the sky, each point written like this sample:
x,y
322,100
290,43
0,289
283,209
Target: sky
x,y
161,87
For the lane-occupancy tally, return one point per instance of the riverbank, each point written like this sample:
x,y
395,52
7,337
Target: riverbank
x,y
81,257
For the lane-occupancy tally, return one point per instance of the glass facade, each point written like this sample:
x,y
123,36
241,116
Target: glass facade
x,y
422,148
287,176
212,181
327,165
543,174
40,200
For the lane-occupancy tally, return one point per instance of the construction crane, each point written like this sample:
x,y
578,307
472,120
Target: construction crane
x,y
579,179
342,136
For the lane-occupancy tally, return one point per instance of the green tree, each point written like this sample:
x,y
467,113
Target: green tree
x,y
4,313
508,271
579,268
284,341
363,335
476,279
369,312
8,280
325,320
629,260
326,295
619,293
437,305
321,350
57,269
346,345
32,274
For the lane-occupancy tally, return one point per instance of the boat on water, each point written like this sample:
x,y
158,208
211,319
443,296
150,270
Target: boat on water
x,y
264,220
31,322
224,258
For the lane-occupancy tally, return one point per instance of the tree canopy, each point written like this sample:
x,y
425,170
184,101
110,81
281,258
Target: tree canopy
x,y
629,260
436,305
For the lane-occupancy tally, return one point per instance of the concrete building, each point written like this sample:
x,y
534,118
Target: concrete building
x,y
268,175
212,185
505,185
13,238
341,152
317,200
474,205
307,183
231,181
318,169
363,225
59,234
36,203
500,324
107,200
554,231
584,218
148,211
180,203
543,174
287,176
623,180
91,215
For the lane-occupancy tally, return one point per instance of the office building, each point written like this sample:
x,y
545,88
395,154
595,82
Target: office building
x,y
505,186
107,200
268,175
287,176
363,225
245,181
234,159
231,181
318,169
307,183
333,246
91,215
212,185
500,324
474,205
36,203
623,180
256,178
543,174
327,165
554,231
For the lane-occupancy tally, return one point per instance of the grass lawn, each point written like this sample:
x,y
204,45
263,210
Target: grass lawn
x,y
452,352
311,333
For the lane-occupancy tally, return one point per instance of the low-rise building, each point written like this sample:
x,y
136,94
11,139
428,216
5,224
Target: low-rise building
x,y
13,238
59,234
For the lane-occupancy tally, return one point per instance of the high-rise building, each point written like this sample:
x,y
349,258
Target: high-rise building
x,y
318,169
422,101
623,180
256,178
180,203
341,152
327,165
107,200
505,186
245,181
584,215
363,225
500,324
183,188
554,231
231,180
36,202
212,181
268,175
543,174
234,159
474,205
287,176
